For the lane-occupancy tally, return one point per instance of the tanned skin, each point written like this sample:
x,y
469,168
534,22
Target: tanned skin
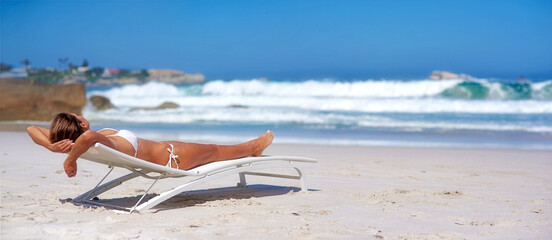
x,y
190,155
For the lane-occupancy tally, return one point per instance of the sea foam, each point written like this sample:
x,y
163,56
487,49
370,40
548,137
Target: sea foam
x,y
331,104
312,88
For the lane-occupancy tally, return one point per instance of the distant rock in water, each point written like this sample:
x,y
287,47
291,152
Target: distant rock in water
x,y
23,99
174,77
101,103
165,105
237,106
443,75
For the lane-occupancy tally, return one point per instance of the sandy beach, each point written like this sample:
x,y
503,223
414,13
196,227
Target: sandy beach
x,y
355,193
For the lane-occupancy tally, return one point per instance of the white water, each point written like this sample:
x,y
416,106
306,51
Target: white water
x,y
329,104
357,96
311,88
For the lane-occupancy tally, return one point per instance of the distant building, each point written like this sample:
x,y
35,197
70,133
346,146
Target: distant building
x,y
83,69
109,72
80,70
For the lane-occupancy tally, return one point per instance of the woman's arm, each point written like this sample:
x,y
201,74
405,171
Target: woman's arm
x,y
81,146
40,136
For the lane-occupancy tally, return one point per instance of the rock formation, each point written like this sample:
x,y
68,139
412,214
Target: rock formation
x,y
116,81
101,103
161,75
443,75
174,77
22,99
237,106
164,105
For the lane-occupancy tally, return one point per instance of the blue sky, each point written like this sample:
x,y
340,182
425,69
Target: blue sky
x,y
286,39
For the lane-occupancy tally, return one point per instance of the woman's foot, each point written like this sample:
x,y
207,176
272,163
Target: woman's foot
x,y
261,143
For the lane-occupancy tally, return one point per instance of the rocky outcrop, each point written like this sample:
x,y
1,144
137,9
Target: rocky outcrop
x,y
160,75
443,75
22,99
116,81
237,106
164,105
174,77
101,103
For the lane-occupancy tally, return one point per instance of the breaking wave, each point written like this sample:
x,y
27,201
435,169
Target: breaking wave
x,y
421,104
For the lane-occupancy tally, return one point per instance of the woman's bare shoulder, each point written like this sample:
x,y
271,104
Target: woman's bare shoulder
x,y
92,136
107,131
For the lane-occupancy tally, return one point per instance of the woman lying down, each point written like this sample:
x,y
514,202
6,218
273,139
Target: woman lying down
x,y
70,133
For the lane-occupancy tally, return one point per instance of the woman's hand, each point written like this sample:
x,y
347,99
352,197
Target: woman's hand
x,y
70,168
83,142
62,146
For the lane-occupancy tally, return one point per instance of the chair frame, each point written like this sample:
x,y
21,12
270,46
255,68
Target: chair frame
x,y
141,168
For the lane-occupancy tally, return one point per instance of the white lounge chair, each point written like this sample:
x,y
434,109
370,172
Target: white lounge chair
x,y
102,154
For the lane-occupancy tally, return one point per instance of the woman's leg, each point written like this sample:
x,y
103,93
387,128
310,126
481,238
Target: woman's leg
x,y
191,155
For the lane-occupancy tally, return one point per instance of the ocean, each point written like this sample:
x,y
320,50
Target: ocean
x,y
457,113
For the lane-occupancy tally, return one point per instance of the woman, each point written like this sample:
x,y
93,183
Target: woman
x,y
71,133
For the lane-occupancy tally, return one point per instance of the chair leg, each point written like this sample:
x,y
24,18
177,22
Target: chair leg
x,y
301,179
242,183
135,205
300,176
168,194
105,187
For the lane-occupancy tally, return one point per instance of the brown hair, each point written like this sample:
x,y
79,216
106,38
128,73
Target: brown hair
x,y
65,126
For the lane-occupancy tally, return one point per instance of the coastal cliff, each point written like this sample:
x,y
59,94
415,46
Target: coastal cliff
x,y
22,99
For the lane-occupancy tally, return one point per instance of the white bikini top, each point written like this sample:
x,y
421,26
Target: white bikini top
x,y
127,135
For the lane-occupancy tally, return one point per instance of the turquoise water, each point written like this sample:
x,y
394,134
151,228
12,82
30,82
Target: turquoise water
x,y
452,113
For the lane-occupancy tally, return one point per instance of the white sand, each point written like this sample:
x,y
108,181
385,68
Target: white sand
x,y
357,192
